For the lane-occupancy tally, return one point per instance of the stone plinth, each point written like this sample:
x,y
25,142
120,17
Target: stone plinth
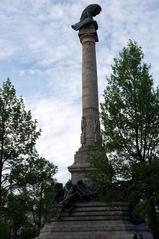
x,y
94,221
81,166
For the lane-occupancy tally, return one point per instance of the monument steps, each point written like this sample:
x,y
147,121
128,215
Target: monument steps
x,y
101,211
94,220
97,213
91,218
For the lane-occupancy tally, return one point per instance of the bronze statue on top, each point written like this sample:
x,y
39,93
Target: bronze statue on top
x,y
87,16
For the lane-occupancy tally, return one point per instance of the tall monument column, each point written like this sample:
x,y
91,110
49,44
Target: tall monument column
x,y
90,113
80,215
90,127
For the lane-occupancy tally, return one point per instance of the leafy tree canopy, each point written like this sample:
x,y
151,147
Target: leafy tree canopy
x,y
26,179
130,121
18,133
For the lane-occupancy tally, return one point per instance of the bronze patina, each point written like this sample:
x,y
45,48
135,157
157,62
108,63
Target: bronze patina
x,y
87,16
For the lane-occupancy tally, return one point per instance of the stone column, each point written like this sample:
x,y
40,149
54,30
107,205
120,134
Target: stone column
x,y
90,113
90,116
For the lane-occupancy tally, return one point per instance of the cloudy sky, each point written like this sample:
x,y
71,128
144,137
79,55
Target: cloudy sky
x,y
41,55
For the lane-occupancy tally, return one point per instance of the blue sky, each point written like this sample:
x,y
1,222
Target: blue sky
x,y
41,54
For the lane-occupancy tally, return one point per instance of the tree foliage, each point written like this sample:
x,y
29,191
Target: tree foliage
x,y
18,133
33,183
130,110
34,180
130,120
26,179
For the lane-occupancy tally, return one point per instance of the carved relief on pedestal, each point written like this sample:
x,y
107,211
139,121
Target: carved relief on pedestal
x,y
83,129
97,130
90,131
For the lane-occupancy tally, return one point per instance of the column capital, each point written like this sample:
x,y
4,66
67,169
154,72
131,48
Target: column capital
x,y
88,33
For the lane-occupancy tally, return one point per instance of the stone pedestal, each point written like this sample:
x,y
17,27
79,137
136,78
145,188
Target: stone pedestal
x,y
90,126
94,221
81,166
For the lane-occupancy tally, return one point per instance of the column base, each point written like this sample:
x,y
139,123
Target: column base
x,y
81,166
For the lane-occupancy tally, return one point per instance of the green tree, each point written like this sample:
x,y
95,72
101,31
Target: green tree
x,y
18,134
26,179
16,214
34,181
104,176
130,119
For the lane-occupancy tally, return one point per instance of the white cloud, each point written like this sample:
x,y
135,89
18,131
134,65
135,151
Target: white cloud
x,y
60,135
6,53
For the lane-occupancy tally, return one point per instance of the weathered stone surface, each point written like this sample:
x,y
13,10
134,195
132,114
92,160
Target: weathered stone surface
x,y
90,126
81,166
92,221
88,37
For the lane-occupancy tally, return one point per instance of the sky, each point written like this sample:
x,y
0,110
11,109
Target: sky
x,y
41,54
